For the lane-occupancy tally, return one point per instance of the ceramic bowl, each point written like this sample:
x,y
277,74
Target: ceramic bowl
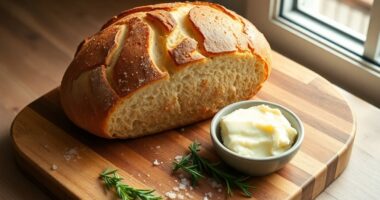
x,y
255,166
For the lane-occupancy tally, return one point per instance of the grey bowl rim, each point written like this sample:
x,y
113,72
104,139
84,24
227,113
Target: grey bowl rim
x,y
217,117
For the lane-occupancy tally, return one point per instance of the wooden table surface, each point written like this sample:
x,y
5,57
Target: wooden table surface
x,y
37,41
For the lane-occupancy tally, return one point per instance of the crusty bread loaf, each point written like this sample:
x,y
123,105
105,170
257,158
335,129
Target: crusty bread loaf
x,y
153,68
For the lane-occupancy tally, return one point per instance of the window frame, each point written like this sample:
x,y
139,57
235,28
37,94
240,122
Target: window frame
x,y
352,43
322,56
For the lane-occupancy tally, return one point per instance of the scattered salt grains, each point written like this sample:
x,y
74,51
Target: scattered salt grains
x,y
54,167
71,154
208,194
220,190
148,175
139,175
171,195
185,182
178,158
158,146
156,162
182,186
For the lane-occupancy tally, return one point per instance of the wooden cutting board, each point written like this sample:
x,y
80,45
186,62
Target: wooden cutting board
x,y
44,139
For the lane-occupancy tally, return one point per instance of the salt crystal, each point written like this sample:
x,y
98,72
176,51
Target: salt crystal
x,y
185,181
178,158
54,167
180,196
158,146
208,194
156,162
171,195
182,186
220,190
176,189
71,154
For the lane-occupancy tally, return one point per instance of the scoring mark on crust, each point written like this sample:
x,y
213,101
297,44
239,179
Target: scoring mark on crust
x,y
134,67
185,52
164,18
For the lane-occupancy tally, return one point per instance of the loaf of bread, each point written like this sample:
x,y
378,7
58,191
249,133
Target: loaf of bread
x,y
158,67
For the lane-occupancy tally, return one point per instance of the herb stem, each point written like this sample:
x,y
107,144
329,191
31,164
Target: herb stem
x,y
197,166
112,180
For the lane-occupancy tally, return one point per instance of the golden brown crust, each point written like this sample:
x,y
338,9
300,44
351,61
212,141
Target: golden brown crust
x,y
164,18
214,27
185,52
135,67
91,88
219,7
162,6
91,105
93,51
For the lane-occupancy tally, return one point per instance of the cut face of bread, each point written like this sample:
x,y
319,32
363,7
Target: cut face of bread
x,y
192,95
154,68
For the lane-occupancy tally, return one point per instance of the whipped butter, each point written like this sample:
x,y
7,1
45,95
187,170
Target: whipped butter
x,y
259,131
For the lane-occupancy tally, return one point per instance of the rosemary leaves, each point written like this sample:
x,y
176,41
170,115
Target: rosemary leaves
x,y
196,167
112,180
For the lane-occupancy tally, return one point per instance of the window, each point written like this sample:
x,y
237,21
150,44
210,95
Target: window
x,y
339,39
348,16
344,23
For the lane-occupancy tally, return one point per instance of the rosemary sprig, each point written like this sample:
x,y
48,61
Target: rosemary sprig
x,y
112,180
196,166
